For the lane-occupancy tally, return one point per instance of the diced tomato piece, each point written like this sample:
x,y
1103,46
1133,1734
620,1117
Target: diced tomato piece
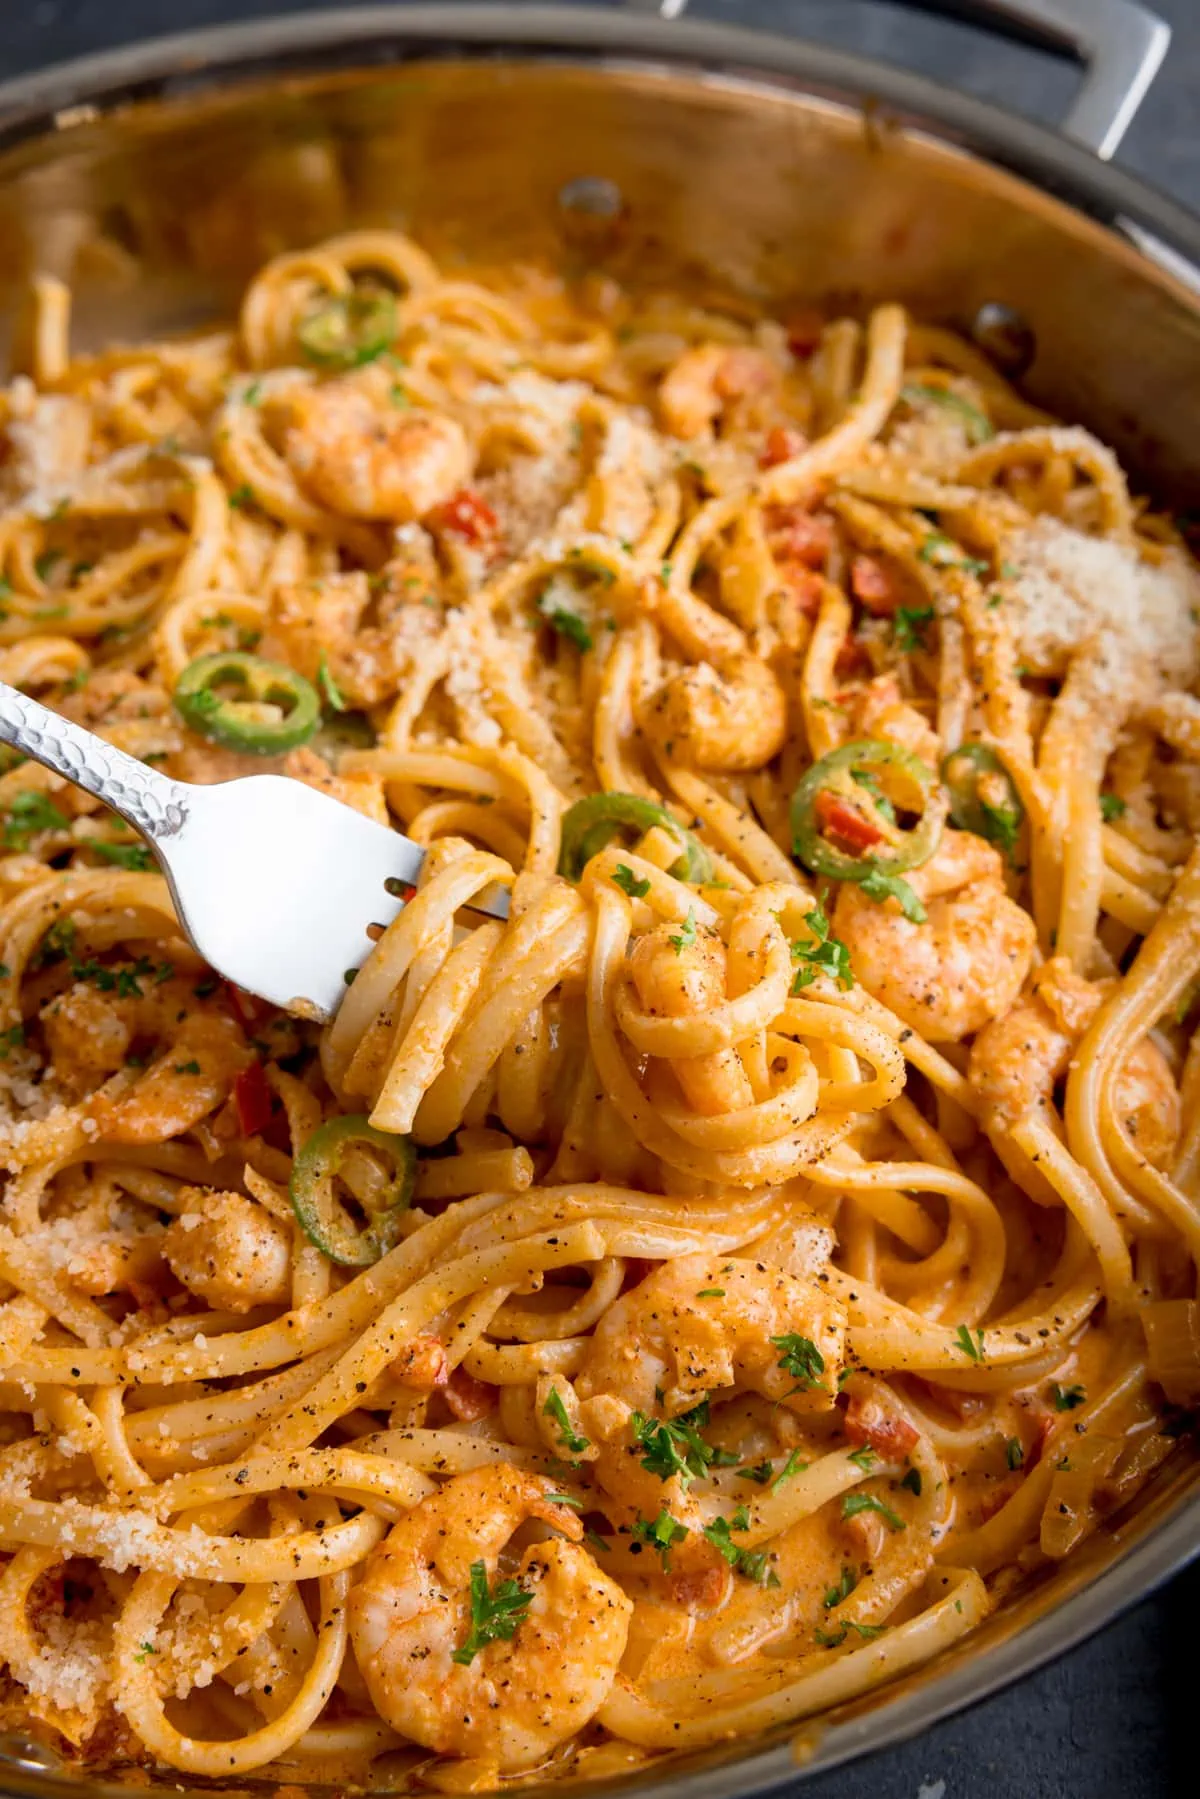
x,y
469,515
853,658
253,1098
469,1398
700,1589
887,1433
804,329
797,535
875,585
803,585
422,1363
838,819
783,443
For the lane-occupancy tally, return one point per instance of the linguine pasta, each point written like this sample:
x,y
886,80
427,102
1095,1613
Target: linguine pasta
x,y
703,1297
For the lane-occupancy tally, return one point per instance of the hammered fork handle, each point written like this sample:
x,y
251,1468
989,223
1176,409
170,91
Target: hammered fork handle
x,y
151,802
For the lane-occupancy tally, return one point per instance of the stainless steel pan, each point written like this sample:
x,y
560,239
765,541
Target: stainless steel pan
x,y
155,179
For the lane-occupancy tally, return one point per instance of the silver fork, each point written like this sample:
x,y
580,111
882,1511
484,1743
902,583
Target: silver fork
x,y
274,883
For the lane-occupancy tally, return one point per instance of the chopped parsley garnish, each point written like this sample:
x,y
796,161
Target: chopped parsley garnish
x,y
45,564
970,1342
1014,1453
12,1038
1112,806
795,1464
711,1293
908,631
252,394
552,604
978,426
833,1639
27,815
853,1503
661,1533
826,954
330,691
494,1616
879,887
801,1359
145,1649
241,496
628,882
847,1581
134,856
1067,1398
940,552
752,1563
187,1067
674,1446
687,935
569,1438
863,1458
759,1472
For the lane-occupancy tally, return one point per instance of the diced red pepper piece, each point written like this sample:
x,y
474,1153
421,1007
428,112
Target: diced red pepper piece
x,y
422,1363
887,1433
469,515
797,535
783,443
848,827
804,329
469,1398
875,585
853,658
253,1098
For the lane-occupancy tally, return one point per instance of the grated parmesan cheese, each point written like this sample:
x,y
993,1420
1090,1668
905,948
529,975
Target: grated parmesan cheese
x,y
1070,589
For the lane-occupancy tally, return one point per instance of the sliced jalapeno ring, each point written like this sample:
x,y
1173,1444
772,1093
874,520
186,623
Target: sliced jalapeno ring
x,y
273,709
591,824
346,331
983,795
383,1200
844,795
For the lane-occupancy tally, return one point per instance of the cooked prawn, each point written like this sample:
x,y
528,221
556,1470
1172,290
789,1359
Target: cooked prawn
x,y
514,1701
1017,1059
360,456
678,979
878,709
90,1033
965,965
363,633
701,1325
229,1251
712,381
732,716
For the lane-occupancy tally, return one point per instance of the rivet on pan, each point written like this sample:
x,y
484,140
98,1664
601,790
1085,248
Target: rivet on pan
x,y
591,197
23,1752
1005,337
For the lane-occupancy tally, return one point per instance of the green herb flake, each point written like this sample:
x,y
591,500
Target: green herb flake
x,y
880,886
824,955
1014,1453
330,690
863,1458
687,936
495,1616
795,1464
801,1358
971,1343
569,1438
908,630
133,856
847,1581
144,1650
979,427
854,1503
1112,807
912,1482
628,882
750,1563
241,496
12,1038
27,815
661,1534
1066,1399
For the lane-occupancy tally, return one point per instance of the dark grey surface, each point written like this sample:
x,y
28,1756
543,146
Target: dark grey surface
x,y
1116,1718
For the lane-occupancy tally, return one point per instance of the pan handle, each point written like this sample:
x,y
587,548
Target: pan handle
x,y
1120,43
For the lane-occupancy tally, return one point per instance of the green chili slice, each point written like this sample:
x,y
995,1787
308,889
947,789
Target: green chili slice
x,y
349,1150
272,708
983,795
854,793
591,824
345,331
